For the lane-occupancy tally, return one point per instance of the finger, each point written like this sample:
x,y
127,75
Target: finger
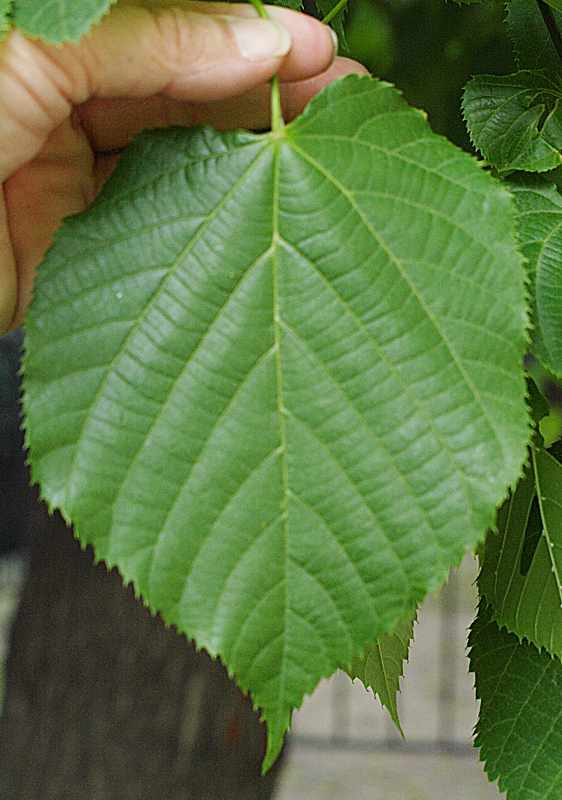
x,y
59,182
314,45
42,193
111,124
136,52
297,95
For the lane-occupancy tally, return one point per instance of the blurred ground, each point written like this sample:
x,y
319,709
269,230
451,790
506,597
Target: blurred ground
x,y
311,775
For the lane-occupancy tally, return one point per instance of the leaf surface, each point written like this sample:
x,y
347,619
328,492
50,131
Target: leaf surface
x,y
522,563
276,379
515,121
539,207
58,21
519,730
381,666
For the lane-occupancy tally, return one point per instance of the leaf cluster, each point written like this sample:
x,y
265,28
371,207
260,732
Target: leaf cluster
x,y
516,642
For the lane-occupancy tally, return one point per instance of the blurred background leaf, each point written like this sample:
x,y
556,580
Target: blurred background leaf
x,y
429,49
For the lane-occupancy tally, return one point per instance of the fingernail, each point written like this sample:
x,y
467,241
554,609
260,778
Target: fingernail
x,y
334,40
259,39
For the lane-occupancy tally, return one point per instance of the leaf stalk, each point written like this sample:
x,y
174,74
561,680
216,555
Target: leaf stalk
x,y
277,121
335,11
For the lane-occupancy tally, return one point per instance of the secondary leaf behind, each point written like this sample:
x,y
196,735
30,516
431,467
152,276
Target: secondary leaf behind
x,y
522,563
519,730
381,666
539,207
515,121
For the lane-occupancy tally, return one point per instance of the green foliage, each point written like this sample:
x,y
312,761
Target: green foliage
x,y
5,16
370,36
429,48
58,20
539,207
519,729
534,48
522,563
276,379
515,121
381,666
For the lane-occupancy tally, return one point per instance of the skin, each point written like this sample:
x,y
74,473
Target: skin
x,y
67,111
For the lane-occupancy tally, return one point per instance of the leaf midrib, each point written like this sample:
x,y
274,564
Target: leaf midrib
x,y
281,411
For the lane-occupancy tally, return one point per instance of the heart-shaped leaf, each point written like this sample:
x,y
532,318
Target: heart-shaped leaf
x,y
277,379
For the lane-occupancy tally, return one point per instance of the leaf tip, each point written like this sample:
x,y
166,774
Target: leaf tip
x,y
276,730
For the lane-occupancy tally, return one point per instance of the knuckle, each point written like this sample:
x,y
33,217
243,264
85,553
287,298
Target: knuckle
x,y
38,86
31,102
183,40
40,81
173,39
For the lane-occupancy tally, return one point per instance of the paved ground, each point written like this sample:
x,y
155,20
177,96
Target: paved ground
x,y
344,776
437,703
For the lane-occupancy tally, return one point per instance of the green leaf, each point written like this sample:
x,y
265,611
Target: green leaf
x,y
277,379
515,121
539,206
58,20
519,730
531,41
5,16
522,563
381,666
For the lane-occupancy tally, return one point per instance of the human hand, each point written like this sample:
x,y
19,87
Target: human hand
x,y
65,112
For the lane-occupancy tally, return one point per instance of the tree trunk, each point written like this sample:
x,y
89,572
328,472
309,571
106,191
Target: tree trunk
x,y
104,702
